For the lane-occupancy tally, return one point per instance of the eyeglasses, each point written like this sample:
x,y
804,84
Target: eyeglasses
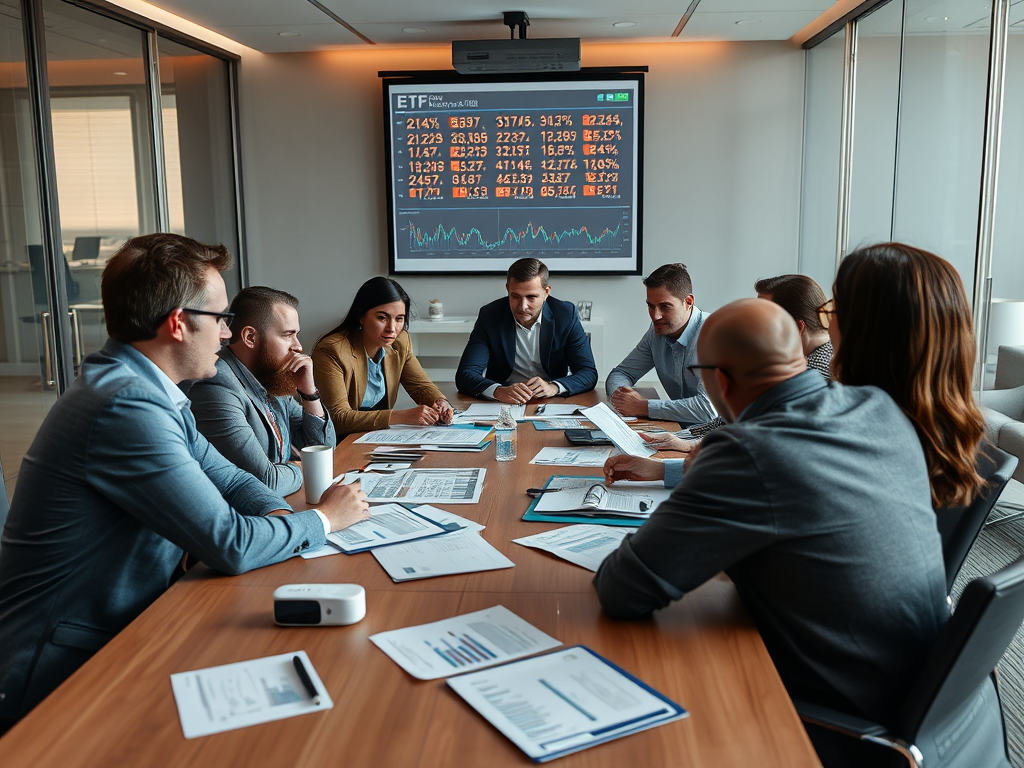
x,y
694,368
825,312
225,318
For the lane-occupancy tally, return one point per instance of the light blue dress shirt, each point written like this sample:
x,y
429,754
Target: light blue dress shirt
x,y
688,403
376,387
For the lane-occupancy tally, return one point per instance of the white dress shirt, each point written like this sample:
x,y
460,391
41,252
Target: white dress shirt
x,y
527,364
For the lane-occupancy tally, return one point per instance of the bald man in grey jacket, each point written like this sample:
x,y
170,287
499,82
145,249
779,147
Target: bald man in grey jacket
x,y
815,500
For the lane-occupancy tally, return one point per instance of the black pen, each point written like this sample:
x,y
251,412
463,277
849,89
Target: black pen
x,y
540,410
300,668
539,491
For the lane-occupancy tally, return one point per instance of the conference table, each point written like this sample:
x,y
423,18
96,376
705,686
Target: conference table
x,y
703,652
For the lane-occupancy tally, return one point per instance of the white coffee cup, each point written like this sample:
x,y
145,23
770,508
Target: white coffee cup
x,y
317,471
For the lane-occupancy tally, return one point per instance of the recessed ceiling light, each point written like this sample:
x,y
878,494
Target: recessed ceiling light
x,y
289,34
936,18
413,30
747,22
621,24
121,74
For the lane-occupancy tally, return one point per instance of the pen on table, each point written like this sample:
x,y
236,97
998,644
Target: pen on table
x,y
300,668
539,491
540,409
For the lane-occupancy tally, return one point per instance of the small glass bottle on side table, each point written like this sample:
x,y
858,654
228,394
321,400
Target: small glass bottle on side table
x,y
505,435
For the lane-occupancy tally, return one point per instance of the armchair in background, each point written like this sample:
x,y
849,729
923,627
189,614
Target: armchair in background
x,y
1004,406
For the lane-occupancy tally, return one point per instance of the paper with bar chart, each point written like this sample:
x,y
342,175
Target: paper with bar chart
x,y
463,643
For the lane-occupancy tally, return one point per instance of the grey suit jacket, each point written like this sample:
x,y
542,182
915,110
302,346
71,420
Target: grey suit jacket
x,y
117,485
230,412
817,504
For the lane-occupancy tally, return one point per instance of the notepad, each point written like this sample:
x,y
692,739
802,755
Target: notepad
x,y
564,701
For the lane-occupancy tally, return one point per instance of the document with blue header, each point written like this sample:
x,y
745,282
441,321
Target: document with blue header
x,y
563,702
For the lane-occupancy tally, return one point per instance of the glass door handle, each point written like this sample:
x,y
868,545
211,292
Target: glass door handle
x,y
44,320
76,338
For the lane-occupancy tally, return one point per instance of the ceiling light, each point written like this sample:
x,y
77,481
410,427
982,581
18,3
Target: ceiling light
x,y
747,22
936,18
289,34
121,74
413,30
622,24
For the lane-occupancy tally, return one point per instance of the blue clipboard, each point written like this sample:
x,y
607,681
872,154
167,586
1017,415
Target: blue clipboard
x,y
442,529
672,713
532,516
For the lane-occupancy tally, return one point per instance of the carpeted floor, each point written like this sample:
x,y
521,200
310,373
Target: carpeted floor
x,y
1000,543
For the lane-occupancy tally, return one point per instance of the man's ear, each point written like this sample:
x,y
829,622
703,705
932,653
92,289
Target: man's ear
x,y
249,336
725,383
174,325
547,291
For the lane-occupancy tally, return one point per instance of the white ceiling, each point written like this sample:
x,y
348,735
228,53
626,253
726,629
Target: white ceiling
x,y
258,23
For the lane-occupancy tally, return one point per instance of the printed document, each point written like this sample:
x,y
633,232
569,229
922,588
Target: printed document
x,y
246,693
388,524
589,496
487,412
624,438
463,436
444,519
584,545
459,552
565,701
462,643
554,410
426,486
572,457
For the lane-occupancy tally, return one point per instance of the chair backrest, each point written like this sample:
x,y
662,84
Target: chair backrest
x,y
960,526
990,611
38,270
86,248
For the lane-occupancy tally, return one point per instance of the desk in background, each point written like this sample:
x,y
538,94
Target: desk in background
x,y
702,652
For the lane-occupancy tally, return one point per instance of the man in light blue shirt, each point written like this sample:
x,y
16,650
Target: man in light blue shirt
x,y
669,346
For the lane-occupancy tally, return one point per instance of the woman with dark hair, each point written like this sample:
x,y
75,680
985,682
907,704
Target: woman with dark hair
x,y
359,364
899,320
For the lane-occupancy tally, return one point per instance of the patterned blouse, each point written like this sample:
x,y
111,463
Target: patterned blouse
x,y
819,359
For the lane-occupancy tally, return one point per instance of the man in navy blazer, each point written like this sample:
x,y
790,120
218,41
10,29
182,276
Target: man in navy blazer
x,y
119,484
527,346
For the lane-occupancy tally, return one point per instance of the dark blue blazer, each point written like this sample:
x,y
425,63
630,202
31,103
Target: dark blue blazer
x,y
564,348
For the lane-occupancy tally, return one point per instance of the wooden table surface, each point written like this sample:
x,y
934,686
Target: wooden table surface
x,y
703,652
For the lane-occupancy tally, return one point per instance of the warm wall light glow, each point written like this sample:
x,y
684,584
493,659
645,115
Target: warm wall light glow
x,y
183,25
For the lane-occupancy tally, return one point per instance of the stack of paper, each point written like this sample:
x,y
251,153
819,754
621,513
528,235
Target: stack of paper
x,y
462,643
486,412
425,486
584,545
457,437
572,457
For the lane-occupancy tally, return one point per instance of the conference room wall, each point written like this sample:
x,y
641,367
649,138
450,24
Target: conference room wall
x,y
721,177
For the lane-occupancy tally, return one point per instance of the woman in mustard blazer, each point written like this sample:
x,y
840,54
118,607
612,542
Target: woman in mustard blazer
x,y
359,365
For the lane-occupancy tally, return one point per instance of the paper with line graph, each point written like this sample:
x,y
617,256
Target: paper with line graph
x,y
463,643
425,486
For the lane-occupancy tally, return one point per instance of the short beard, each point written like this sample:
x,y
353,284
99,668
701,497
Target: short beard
x,y
274,377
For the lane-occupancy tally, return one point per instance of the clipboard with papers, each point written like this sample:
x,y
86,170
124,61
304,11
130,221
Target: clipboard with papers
x,y
564,701
387,525
589,500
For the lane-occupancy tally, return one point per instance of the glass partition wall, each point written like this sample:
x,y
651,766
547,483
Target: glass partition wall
x,y
110,126
916,136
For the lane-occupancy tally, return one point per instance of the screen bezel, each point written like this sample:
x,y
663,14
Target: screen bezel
x,y
450,77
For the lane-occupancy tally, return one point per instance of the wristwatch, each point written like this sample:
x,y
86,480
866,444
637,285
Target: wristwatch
x,y
309,398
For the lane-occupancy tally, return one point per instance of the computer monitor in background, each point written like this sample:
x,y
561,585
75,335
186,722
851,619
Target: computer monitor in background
x,y
86,248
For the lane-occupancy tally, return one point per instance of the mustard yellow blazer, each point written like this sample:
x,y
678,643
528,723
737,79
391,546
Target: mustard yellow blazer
x,y
339,368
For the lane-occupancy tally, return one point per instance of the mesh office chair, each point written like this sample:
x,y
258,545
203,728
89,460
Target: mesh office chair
x,y
960,526
942,706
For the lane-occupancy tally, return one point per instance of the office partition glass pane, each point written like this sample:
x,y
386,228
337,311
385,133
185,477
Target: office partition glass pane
x,y
942,123
198,148
102,145
1006,318
25,367
823,105
876,116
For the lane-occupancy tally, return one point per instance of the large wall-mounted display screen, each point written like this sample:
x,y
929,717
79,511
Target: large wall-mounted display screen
x,y
484,172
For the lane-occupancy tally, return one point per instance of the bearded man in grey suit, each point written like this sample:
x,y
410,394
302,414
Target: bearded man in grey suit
x,y
119,484
247,411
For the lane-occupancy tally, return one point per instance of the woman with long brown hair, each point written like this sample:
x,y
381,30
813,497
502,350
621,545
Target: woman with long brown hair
x,y
899,320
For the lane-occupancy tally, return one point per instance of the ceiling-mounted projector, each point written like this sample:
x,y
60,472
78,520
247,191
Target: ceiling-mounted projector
x,y
556,54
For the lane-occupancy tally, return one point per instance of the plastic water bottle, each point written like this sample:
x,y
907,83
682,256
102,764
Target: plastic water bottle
x,y
505,435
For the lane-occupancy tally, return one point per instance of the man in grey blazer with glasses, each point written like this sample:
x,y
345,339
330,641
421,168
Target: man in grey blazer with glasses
x,y
119,484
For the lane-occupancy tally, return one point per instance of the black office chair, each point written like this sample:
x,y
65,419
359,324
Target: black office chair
x,y
956,684
38,275
960,526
